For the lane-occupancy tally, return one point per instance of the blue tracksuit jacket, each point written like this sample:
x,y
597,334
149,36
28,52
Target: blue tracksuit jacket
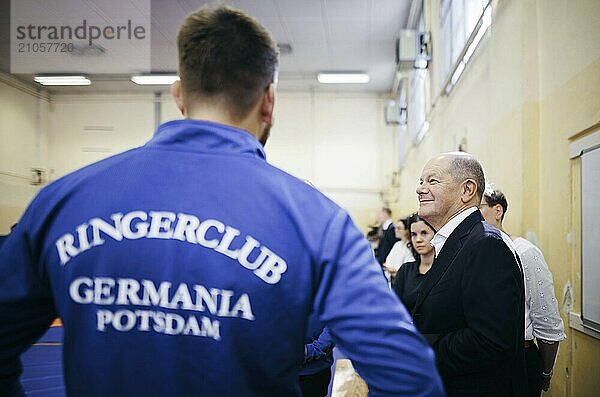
x,y
189,266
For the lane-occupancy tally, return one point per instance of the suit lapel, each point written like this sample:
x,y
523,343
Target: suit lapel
x,y
446,257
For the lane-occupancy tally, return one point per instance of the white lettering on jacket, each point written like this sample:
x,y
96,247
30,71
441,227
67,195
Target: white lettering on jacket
x,y
209,233
128,292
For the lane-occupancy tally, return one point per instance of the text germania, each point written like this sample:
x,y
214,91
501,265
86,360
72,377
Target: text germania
x,y
127,292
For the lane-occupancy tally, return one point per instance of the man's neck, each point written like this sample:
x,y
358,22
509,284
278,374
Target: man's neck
x,y
217,115
452,214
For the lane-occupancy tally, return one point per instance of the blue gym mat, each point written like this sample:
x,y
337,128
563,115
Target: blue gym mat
x,y
42,366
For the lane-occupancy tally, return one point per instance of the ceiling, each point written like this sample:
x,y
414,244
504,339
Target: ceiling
x,y
324,35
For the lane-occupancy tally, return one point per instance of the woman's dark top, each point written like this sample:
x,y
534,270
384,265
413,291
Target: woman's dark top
x,y
407,284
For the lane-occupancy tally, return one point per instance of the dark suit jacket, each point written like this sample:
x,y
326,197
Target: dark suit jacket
x,y
386,243
470,308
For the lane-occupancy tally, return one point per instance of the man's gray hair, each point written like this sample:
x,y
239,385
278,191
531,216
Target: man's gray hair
x,y
463,167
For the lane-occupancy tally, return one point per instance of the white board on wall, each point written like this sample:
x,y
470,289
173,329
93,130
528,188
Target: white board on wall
x,y
590,237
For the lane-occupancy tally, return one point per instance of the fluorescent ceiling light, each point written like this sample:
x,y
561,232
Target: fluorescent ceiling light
x,y
343,78
62,80
154,79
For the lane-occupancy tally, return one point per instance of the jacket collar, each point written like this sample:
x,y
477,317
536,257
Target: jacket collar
x,y
446,256
385,225
445,231
205,136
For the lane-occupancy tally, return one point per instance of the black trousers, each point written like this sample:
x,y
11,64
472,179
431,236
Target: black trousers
x,y
533,361
315,385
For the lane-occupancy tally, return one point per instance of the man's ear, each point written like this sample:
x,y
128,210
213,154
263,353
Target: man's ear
x,y
469,190
177,95
267,105
498,212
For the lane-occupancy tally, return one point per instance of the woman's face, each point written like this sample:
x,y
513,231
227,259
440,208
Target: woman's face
x,y
400,231
420,236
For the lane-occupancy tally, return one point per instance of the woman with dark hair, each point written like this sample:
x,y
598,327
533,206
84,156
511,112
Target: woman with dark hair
x,y
411,274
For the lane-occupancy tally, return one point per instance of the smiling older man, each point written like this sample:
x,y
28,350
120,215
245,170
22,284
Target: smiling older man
x,y
470,307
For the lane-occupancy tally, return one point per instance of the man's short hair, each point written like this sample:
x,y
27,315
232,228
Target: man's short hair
x,y
494,196
224,52
465,167
387,210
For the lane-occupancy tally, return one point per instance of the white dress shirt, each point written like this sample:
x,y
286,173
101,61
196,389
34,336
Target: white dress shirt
x,y
541,308
439,239
386,224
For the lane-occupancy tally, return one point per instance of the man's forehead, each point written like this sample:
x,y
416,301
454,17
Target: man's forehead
x,y
436,166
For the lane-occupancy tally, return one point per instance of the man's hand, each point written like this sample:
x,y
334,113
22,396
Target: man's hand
x,y
546,377
548,350
306,354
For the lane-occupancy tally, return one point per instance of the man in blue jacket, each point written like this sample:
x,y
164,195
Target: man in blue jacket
x,y
190,266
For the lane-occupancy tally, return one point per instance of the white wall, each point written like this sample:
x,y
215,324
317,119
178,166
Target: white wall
x,y
85,129
339,142
22,146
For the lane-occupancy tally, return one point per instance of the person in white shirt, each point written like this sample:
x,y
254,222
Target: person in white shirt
x,y
542,321
400,253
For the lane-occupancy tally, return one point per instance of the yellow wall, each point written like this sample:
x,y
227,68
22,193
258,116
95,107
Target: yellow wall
x,y
569,103
533,83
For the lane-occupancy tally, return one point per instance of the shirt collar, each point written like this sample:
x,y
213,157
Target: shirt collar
x,y
439,239
205,136
386,224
